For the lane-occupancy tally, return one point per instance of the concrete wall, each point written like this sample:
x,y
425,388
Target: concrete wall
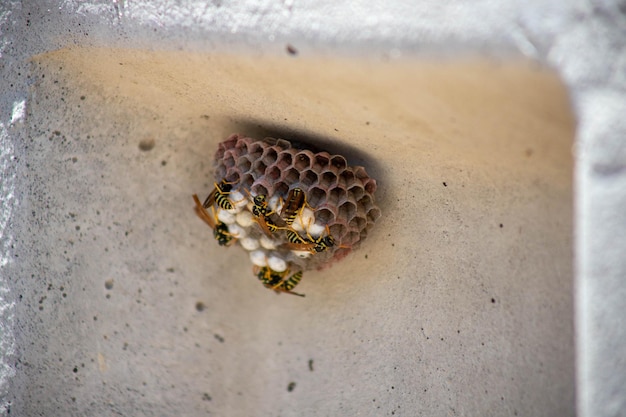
x,y
115,299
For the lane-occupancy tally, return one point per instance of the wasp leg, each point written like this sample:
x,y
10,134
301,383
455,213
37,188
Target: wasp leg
x,y
280,289
266,227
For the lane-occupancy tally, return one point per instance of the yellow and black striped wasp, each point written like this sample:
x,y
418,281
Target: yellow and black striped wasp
x,y
220,230
262,213
219,195
296,200
309,244
276,280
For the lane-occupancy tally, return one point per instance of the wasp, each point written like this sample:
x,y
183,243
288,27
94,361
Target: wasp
x,y
262,212
220,230
219,195
276,280
309,244
296,200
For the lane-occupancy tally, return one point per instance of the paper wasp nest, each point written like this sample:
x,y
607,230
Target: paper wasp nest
x,y
338,202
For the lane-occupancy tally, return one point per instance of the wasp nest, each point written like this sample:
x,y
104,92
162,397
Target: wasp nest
x,y
292,209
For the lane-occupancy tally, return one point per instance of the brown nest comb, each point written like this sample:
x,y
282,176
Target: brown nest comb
x,y
292,209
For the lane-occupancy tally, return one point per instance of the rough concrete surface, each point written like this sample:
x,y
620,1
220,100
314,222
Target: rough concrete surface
x,y
116,300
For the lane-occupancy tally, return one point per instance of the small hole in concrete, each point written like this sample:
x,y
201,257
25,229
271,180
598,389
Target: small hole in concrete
x,y
147,144
291,50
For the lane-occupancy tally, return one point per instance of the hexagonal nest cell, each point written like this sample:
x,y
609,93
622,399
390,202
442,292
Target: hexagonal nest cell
x,y
292,209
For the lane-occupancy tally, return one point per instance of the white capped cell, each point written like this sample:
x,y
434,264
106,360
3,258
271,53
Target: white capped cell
x,y
245,218
225,216
276,203
304,220
301,253
258,258
237,231
249,243
238,199
277,264
268,242
297,225
316,230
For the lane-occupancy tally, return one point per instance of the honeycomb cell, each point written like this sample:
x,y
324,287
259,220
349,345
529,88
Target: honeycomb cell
x,y
370,186
322,160
365,202
259,167
249,243
241,146
373,214
270,156
357,223
356,192
316,196
291,176
338,230
280,188
244,218
258,257
315,230
308,178
244,163
258,189
329,179
277,263
255,150
348,180
273,173
351,238
324,216
302,161
229,161
347,210
280,143
336,195
246,181
268,242
339,162
232,177
284,160
360,173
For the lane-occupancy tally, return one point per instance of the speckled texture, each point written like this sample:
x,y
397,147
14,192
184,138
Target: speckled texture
x,y
458,267
113,301
341,196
